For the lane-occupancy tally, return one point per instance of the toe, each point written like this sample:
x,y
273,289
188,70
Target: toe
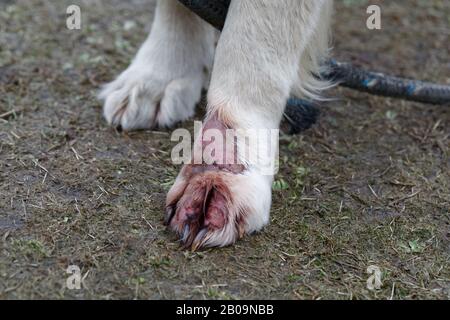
x,y
205,215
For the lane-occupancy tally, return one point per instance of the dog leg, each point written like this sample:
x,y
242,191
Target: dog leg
x,y
257,63
163,83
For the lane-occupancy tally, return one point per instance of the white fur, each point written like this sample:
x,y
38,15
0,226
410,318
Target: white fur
x,y
163,83
268,50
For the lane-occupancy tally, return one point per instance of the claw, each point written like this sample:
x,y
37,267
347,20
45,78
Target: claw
x,y
170,213
200,239
119,112
185,236
202,212
190,236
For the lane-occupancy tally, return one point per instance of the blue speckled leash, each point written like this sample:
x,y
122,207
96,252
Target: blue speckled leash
x,y
384,85
302,114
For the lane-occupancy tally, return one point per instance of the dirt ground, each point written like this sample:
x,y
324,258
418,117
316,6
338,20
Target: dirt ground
x,y
368,185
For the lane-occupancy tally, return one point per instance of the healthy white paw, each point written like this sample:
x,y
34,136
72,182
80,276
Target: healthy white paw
x,y
163,84
139,100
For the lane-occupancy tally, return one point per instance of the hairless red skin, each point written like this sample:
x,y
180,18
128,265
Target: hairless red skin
x,y
202,206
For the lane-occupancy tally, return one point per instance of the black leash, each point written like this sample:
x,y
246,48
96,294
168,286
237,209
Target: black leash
x,y
303,114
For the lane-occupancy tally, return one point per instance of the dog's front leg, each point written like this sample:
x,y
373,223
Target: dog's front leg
x,y
163,83
257,63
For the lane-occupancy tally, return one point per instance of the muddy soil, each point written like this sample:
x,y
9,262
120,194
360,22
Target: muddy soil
x,y
367,185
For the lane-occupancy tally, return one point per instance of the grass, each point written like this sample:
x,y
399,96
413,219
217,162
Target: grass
x,y
368,185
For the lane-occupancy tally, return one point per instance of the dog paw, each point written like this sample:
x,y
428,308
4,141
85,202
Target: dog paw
x,y
209,206
220,197
164,82
137,100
